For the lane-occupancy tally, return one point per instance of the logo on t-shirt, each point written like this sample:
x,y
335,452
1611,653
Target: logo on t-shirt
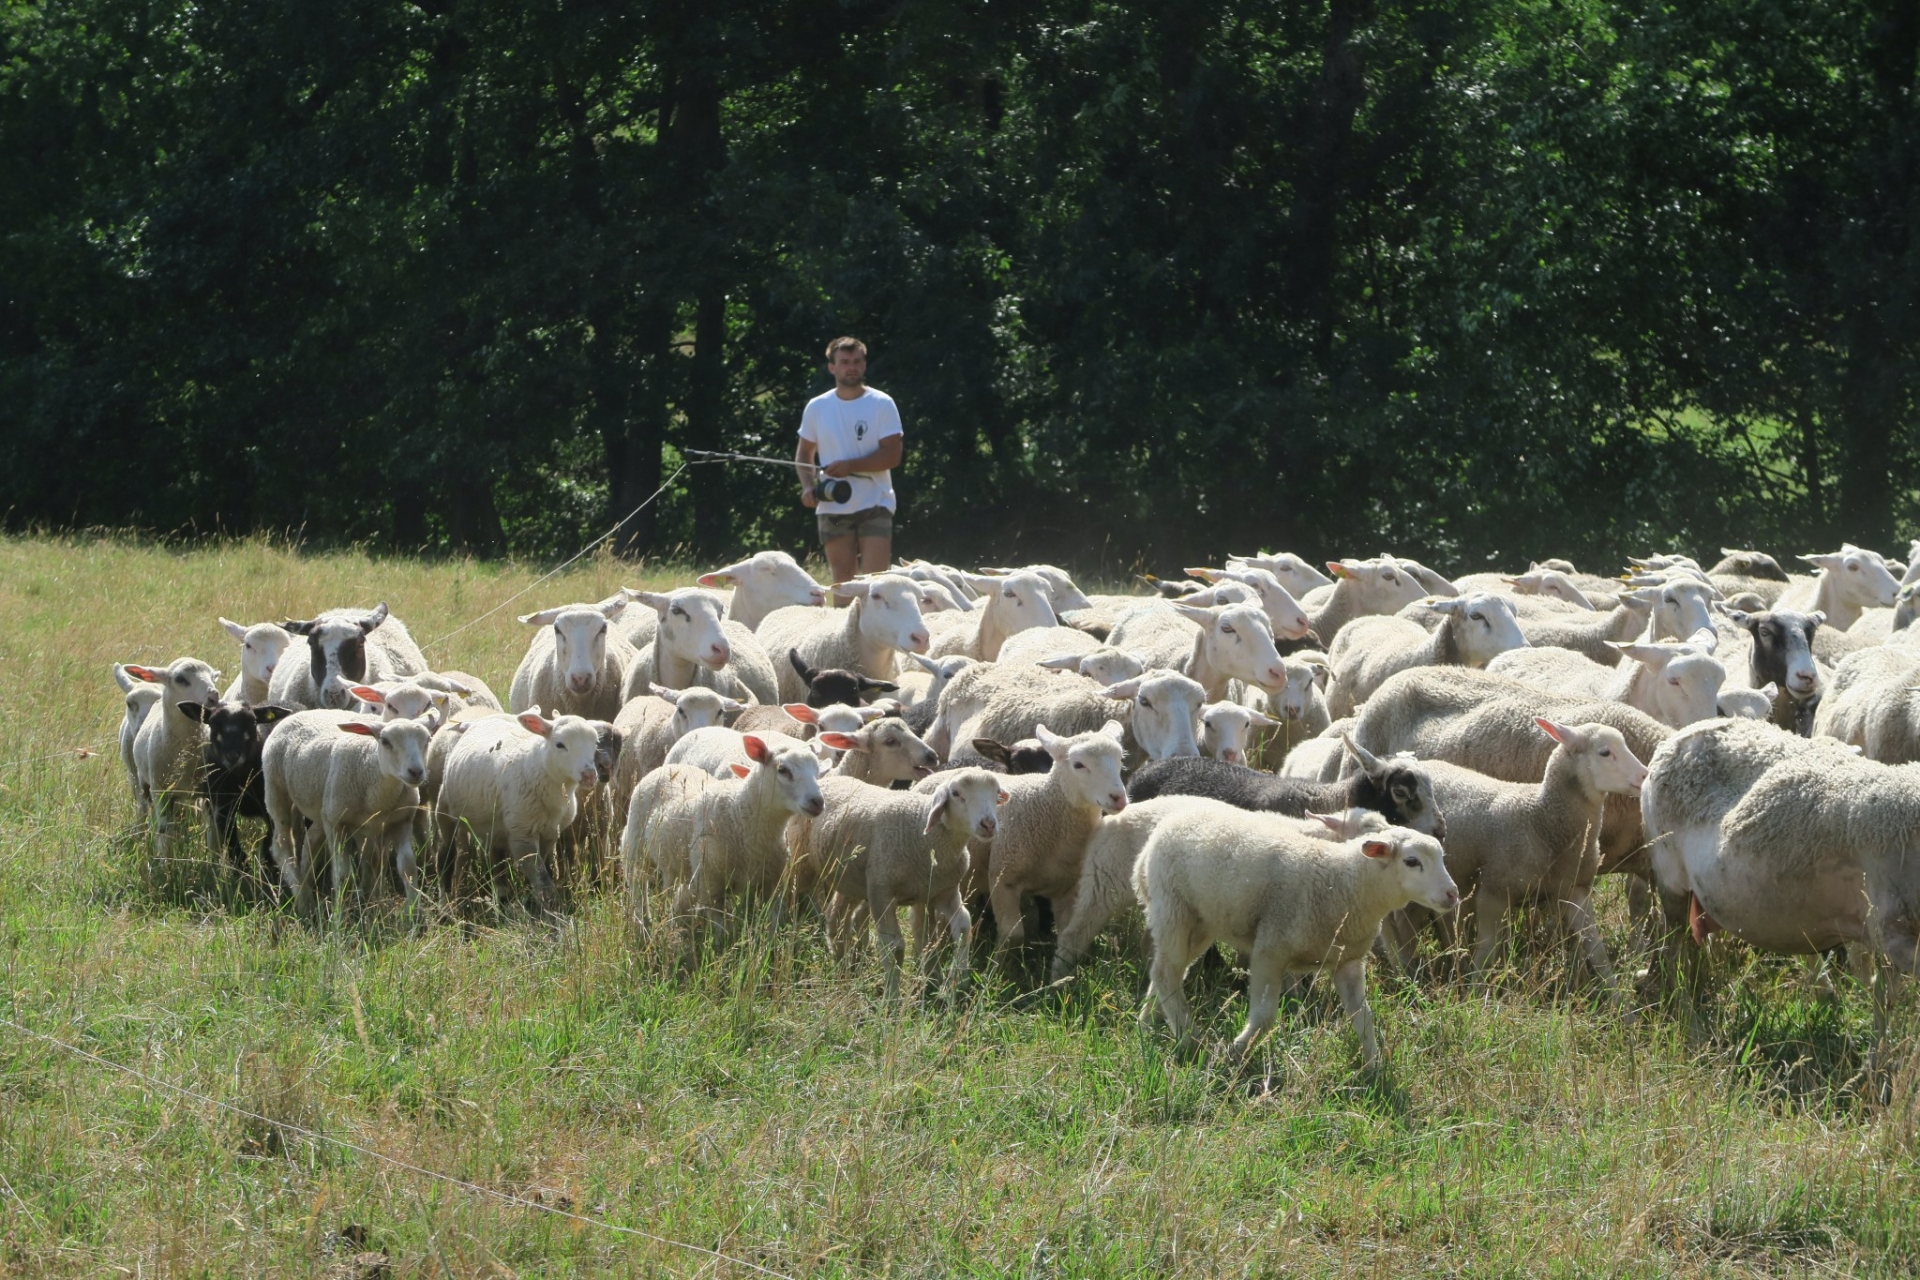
x,y
860,430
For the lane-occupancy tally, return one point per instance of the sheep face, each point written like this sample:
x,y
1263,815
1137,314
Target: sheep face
x,y
1289,570
827,686
1407,787
1550,583
1238,642
1166,712
1860,578
260,647
898,753
1020,600
690,626
773,578
1382,585
1108,665
1415,863
891,613
403,700
795,772
1679,608
1224,727
1295,700
579,639
186,680
234,730
1783,648
402,747
337,653
1602,753
968,801
1062,594
1749,564
1685,681
572,743
1088,764
696,708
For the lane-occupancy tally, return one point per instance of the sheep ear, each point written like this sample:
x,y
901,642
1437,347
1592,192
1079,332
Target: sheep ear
x,y
360,727
800,667
925,663
121,678
719,578
868,714
802,712
994,751
869,685
1770,690
652,599
1262,719
544,618
1446,606
1002,796
147,674
1115,730
1369,763
268,712
234,629
1559,732
1819,617
1334,822
197,711
1126,690
1826,559
1203,575
1065,662
1342,568
757,749
1051,742
739,770
1205,617
366,693
839,741
661,691
1378,849
374,619
852,590
611,609
535,723
938,812
297,626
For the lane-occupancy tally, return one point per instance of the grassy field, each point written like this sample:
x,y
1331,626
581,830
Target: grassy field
x,y
770,1108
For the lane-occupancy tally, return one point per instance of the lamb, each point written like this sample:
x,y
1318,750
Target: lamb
x,y
1551,584
344,646
734,847
1850,580
1287,902
881,753
950,581
883,850
1747,704
1225,728
1473,630
693,644
883,621
1512,843
763,582
140,698
576,663
1008,703
231,779
1364,587
1484,722
1065,649
1589,633
650,725
403,700
1397,787
1676,684
354,778
166,748
1293,573
261,646
1299,710
1045,824
1679,608
1211,645
1014,603
512,786
826,687
920,687
1747,564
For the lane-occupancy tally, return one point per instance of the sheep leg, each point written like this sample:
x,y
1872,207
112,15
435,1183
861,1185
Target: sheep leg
x,y
917,927
531,855
959,927
1350,980
405,863
1577,911
1095,903
886,923
343,852
1004,900
1265,981
1177,942
1489,932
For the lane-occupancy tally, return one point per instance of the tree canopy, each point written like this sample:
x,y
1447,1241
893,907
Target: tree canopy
x,y
1471,280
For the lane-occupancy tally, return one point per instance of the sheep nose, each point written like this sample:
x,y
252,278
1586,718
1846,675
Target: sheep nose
x,y
1116,801
818,599
1291,713
718,655
816,806
1231,757
1276,678
987,827
580,682
416,776
918,642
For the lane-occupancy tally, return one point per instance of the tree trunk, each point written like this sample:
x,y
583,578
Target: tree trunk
x,y
706,400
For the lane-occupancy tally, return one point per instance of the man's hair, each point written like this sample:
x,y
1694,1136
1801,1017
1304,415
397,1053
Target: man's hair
x,y
845,344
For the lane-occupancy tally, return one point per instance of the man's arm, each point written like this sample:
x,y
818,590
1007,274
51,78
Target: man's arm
x,y
803,456
885,457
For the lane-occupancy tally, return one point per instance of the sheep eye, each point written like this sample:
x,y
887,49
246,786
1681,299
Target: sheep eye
x,y
1414,863
559,746
1606,753
1225,630
1007,594
785,772
678,612
180,680
1145,705
1477,617
1079,766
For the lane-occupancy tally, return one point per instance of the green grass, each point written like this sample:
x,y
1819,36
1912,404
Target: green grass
x,y
769,1106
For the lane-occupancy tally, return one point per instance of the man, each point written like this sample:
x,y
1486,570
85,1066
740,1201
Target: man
x,y
853,432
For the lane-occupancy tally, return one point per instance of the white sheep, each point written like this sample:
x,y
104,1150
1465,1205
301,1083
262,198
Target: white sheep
x,y
344,646
167,755
1362,588
261,646
1676,684
1850,580
512,786
651,724
1473,630
1212,645
763,582
1287,902
1678,608
1293,573
867,636
1514,843
1227,727
1011,604
1318,759
356,780
1585,632
576,661
883,850
694,644
1060,586
919,685
1264,589
1008,703
140,698
882,752
1299,710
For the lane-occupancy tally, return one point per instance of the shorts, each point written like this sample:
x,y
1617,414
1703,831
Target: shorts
x,y
874,522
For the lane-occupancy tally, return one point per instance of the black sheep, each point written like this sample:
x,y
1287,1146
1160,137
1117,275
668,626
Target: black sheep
x,y
830,685
230,777
1783,655
1397,787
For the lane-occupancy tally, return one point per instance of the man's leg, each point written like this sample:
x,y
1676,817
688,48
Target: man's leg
x,y
876,553
840,553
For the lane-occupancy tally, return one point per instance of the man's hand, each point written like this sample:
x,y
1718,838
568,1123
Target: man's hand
x,y
808,498
840,470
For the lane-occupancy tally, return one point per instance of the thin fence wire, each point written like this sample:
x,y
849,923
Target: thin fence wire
x,y
472,1187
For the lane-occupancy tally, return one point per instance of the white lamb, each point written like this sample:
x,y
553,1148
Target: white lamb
x,y
1287,902
1060,586
576,662
512,786
883,850
1850,580
880,753
1473,631
344,646
694,644
140,698
1283,610
867,636
167,756
357,780
261,646
1007,704
1227,727
1012,604
1293,573
1676,684
651,724
763,582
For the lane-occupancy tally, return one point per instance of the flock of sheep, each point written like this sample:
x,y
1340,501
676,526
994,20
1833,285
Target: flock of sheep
x,y
1307,769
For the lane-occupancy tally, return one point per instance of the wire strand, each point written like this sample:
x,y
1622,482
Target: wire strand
x,y
474,1187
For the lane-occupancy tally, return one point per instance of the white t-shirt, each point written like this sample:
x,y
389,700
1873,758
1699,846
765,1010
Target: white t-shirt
x,y
842,429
